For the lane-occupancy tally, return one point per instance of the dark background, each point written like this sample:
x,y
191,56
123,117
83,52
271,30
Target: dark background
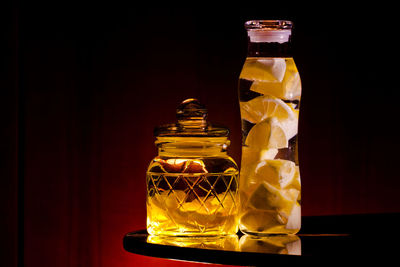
x,y
83,85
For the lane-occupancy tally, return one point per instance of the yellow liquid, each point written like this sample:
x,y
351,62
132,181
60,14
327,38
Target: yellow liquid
x,y
269,93
192,196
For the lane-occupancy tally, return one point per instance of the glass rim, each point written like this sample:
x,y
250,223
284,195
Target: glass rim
x,y
268,25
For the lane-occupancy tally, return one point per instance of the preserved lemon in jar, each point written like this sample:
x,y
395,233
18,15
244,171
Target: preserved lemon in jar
x,y
192,185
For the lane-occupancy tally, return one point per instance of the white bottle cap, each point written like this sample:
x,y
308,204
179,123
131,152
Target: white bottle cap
x,y
269,36
269,31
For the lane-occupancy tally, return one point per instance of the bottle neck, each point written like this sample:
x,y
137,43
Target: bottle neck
x,y
269,49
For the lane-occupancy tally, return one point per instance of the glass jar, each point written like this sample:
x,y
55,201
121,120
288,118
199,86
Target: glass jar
x,y
269,97
192,185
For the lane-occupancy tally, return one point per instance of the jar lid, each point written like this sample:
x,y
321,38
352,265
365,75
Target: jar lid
x,y
191,122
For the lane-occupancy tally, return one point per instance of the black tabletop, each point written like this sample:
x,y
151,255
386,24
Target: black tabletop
x,y
323,239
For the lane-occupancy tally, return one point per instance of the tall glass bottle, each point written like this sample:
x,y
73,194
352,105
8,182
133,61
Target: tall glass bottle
x,y
269,95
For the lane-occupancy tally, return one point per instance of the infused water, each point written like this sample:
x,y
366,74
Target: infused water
x,y
269,94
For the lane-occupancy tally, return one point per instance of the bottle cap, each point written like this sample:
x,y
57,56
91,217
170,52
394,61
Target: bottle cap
x,y
269,31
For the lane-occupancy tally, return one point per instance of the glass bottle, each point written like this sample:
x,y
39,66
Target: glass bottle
x,y
269,96
192,185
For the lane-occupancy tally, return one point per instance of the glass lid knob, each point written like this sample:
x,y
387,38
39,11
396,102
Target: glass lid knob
x,y
191,114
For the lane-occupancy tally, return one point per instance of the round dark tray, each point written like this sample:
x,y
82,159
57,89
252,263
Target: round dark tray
x,y
323,239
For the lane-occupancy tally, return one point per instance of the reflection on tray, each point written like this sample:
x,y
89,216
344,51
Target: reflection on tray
x,y
216,242
277,244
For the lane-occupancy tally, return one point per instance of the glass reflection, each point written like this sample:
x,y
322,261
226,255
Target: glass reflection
x,y
230,242
276,244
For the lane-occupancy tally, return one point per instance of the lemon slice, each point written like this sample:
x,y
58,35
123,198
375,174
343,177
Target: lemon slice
x,y
279,173
294,219
264,69
210,205
251,157
260,220
254,155
172,199
268,197
289,88
263,107
268,153
296,183
291,125
266,135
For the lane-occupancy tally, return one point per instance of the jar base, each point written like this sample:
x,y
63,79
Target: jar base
x,y
190,234
269,233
